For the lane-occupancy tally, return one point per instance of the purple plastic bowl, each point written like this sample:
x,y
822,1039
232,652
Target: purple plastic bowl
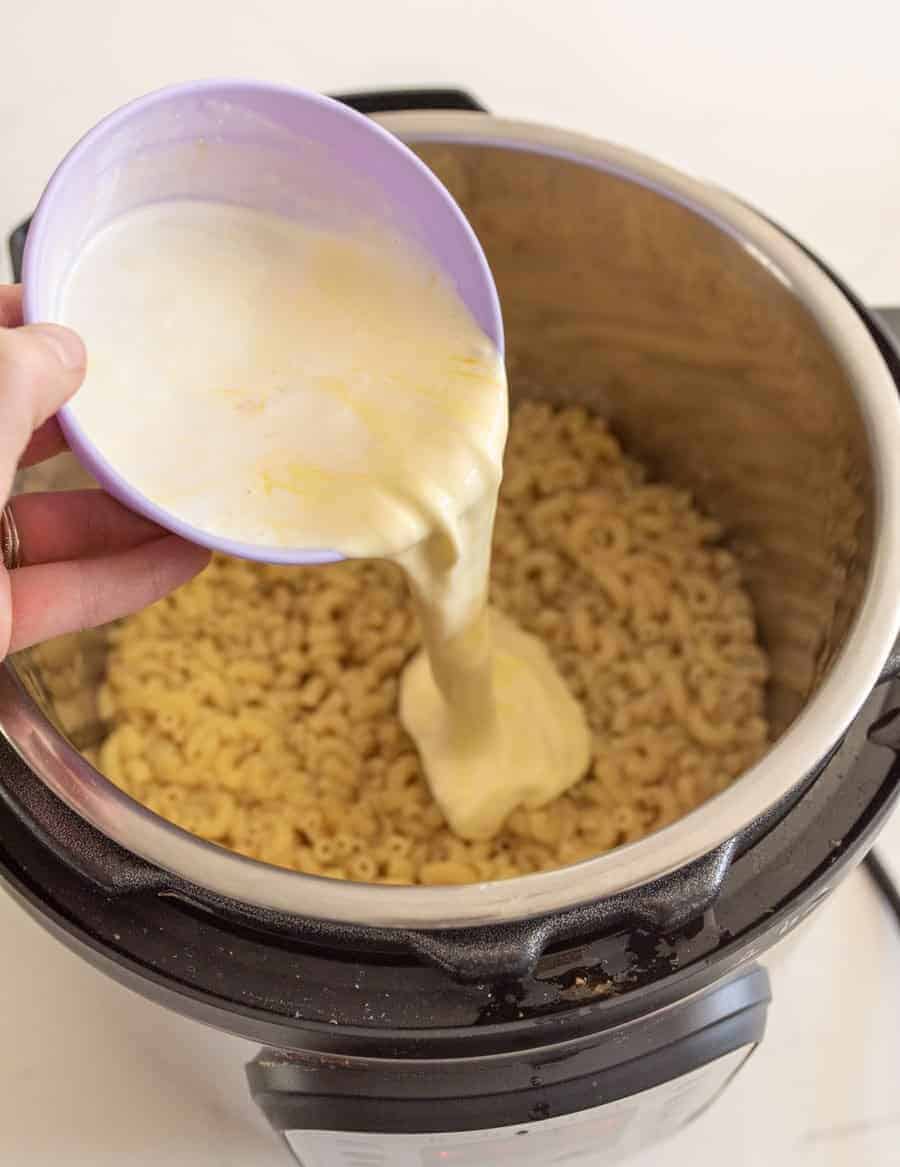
x,y
266,146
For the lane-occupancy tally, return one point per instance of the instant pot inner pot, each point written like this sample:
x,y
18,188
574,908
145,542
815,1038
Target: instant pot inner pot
x,y
706,364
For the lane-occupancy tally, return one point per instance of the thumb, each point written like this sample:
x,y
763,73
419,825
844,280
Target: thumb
x,y
41,366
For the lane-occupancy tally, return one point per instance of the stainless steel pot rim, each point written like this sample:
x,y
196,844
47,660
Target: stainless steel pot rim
x,y
799,750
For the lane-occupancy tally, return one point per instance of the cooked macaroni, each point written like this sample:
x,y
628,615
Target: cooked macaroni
x,y
257,706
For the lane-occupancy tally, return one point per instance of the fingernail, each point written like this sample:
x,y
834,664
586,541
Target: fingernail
x,y
68,345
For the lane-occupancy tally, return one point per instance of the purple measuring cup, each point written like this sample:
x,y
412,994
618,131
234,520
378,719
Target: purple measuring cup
x,y
270,147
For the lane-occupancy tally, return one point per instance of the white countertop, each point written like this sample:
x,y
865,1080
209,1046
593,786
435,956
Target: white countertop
x,y
94,1076
797,108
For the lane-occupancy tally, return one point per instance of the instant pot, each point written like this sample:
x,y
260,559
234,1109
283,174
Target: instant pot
x,y
570,1016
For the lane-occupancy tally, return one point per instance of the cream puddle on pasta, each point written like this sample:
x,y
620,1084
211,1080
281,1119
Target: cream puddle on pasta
x,y
288,387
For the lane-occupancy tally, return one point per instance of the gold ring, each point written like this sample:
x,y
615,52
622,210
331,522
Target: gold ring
x,y
10,544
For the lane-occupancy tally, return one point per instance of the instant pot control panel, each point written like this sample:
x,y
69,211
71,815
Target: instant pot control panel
x,y
553,1104
572,1041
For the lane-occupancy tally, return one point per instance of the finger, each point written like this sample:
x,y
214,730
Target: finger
x,y
54,598
75,524
10,305
46,441
41,366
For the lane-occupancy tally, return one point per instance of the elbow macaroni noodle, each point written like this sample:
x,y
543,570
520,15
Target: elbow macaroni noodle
x,y
257,706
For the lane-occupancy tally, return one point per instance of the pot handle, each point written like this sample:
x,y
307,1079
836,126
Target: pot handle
x,y
510,952
403,100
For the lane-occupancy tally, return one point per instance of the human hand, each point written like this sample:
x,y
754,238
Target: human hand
x,y
84,559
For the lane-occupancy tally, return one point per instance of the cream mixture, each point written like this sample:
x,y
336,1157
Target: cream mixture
x,y
287,387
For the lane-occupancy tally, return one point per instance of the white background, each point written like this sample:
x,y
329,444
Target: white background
x,y
795,106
